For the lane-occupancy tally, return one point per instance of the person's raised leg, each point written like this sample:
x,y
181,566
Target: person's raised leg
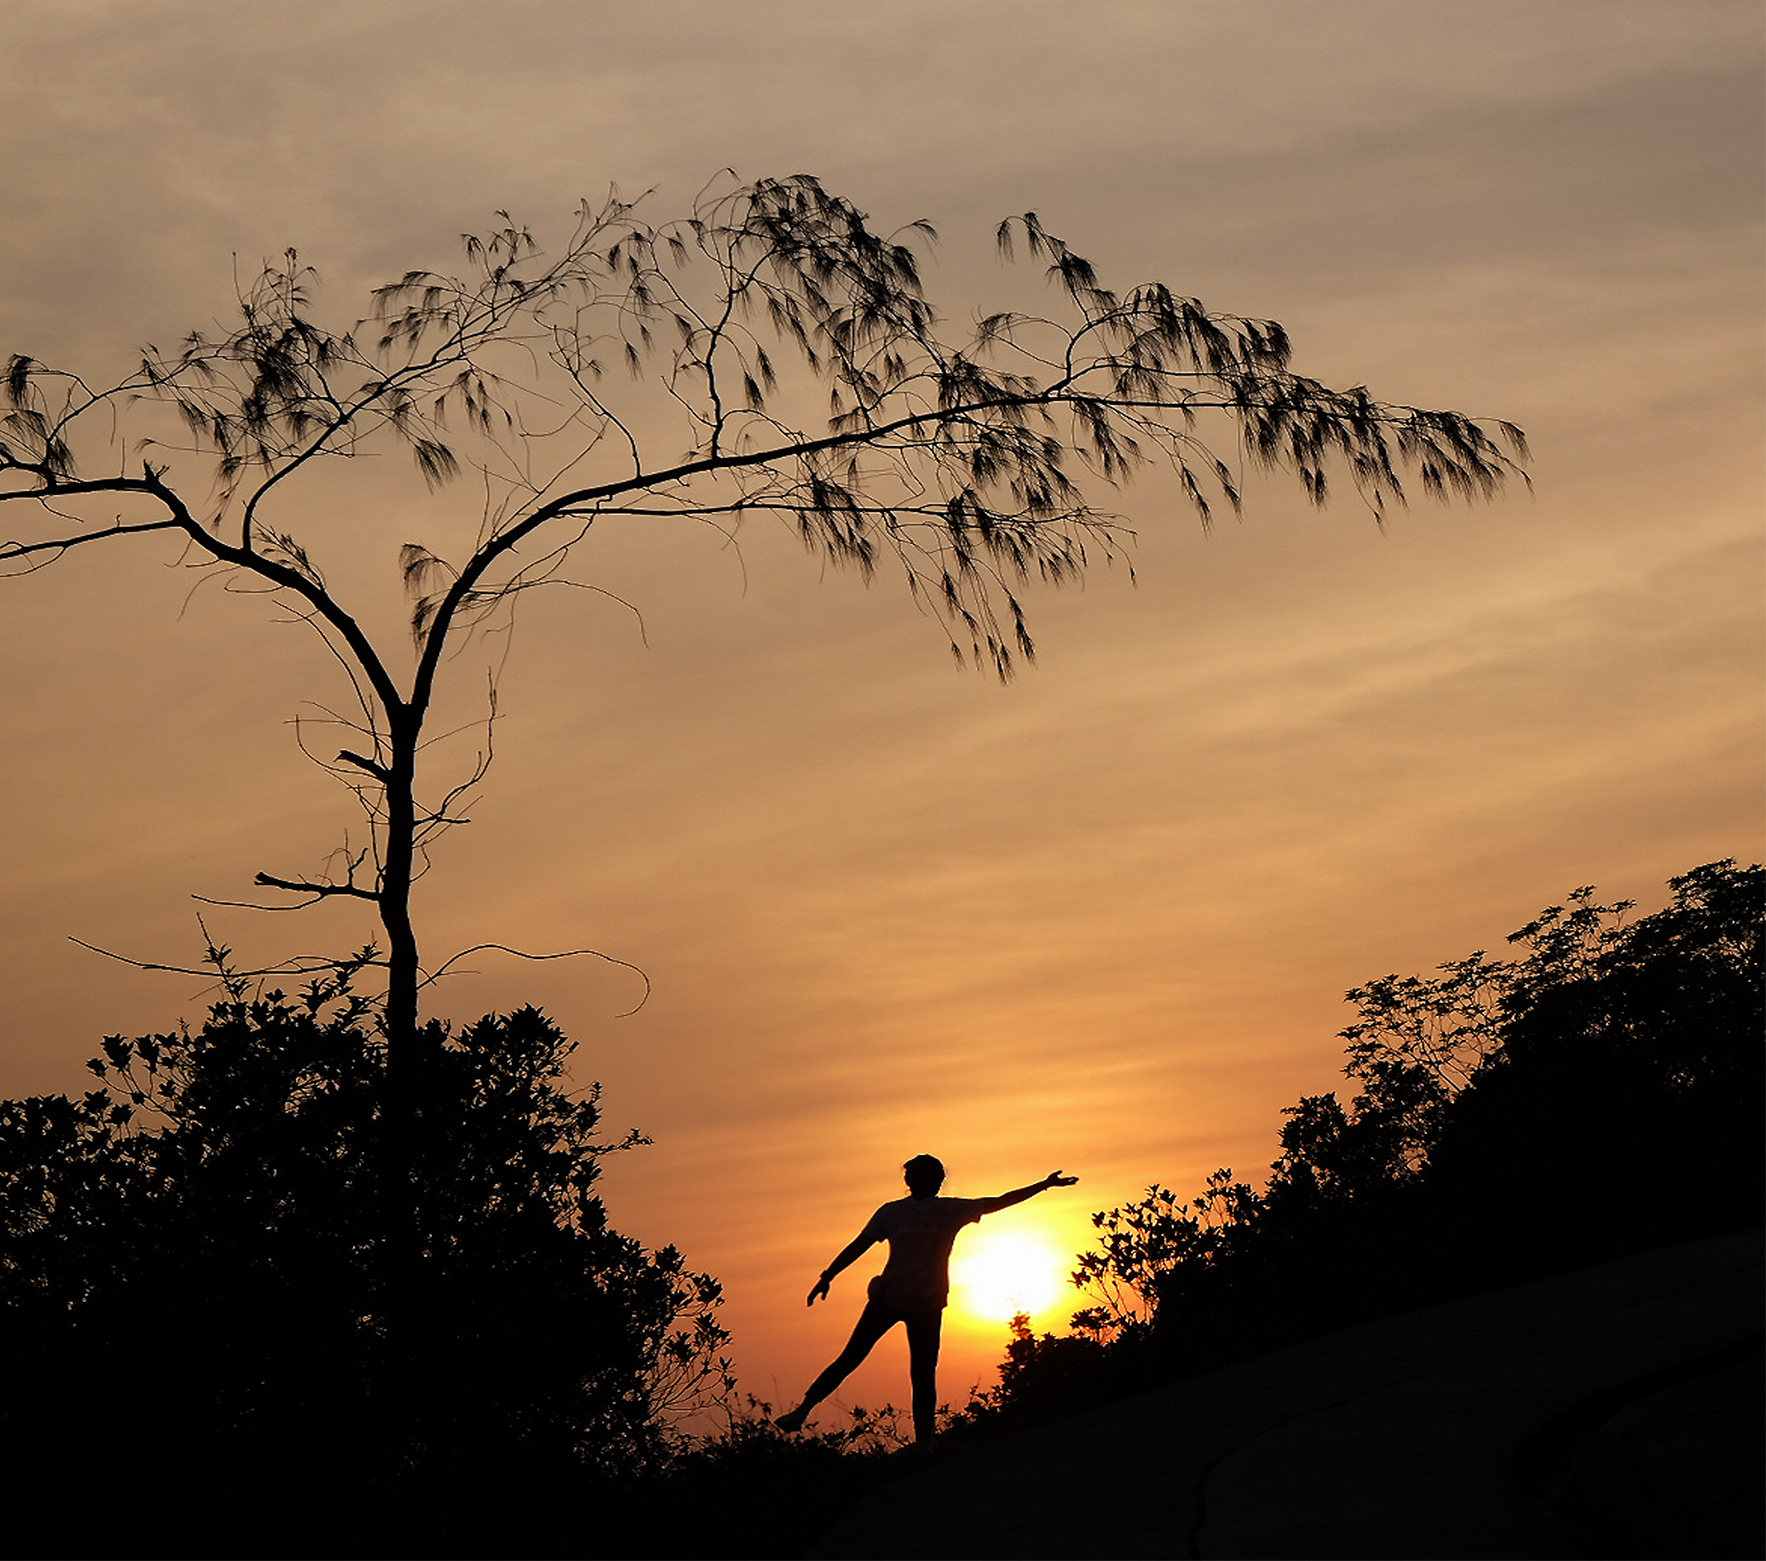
x,y
924,1329
873,1322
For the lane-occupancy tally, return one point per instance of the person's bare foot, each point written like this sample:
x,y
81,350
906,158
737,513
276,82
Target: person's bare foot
x,y
792,1420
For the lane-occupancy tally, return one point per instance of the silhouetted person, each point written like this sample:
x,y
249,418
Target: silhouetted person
x,y
914,1284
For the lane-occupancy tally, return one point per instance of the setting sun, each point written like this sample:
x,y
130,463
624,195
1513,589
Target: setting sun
x,y
997,1273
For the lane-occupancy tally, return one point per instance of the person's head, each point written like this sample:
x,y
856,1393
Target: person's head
x,y
924,1175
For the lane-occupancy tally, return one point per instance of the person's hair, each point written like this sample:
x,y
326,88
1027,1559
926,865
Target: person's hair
x,y
925,1175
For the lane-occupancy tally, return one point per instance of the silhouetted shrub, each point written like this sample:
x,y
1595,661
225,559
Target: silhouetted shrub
x,y
1598,1096
239,1285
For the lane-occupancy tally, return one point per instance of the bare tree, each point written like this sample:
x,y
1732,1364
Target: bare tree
x,y
963,460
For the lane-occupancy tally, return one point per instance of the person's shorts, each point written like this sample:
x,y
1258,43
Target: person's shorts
x,y
878,1293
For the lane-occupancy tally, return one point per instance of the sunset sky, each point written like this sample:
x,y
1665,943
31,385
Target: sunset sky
x,y
1100,919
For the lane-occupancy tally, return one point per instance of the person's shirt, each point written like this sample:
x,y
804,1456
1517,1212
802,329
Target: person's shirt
x,y
920,1233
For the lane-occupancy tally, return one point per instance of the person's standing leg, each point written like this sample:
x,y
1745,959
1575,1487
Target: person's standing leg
x,y
923,1338
873,1322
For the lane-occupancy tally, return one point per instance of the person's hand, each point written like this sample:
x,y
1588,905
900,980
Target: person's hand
x,y
820,1293
1056,1179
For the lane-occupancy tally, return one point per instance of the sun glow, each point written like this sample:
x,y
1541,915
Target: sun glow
x,y
997,1273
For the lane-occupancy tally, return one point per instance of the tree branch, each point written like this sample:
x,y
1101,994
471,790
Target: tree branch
x,y
303,886
378,771
503,948
300,965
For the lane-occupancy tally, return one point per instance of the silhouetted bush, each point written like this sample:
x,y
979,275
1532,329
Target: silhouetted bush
x,y
243,1300
1599,1095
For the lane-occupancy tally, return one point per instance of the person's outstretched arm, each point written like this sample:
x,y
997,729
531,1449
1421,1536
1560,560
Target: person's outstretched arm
x,y
849,1254
1006,1199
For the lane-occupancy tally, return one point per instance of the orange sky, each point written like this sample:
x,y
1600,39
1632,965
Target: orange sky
x,y
1100,919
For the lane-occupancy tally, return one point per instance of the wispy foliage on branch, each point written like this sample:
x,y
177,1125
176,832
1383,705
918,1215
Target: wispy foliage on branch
x,y
771,353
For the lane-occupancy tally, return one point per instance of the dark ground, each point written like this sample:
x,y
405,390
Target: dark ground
x,y
1611,1412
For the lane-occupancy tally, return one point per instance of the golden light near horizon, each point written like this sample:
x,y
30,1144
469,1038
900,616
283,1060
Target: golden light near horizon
x,y
997,1273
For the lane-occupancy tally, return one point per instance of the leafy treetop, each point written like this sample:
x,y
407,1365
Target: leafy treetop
x,y
771,353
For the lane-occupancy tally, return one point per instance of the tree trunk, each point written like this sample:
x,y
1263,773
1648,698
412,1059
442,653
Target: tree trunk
x,y
395,894
406,1081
